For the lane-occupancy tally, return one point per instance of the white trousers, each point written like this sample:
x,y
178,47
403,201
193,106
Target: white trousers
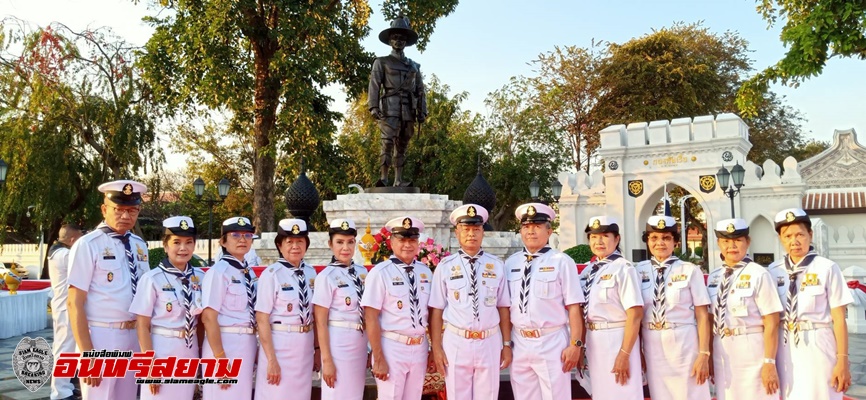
x,y
536,371
236,345
349,352
112,388
64,342
805,370
670,356
294,352
407,366
164,346
737,363
473,366
602,348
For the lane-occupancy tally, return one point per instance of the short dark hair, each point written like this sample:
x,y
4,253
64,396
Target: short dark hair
x,y
279,239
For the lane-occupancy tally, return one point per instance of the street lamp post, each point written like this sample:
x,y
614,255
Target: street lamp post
x,y
223,189
724,176
534,188
556,189
3,169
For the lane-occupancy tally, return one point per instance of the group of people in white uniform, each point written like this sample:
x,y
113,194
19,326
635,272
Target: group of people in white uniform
x,y
754,332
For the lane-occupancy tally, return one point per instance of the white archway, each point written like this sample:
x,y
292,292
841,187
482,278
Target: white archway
x,y
678,152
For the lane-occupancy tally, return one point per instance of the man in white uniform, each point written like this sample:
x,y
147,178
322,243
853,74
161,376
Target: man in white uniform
x,y
470,294
104,269
395,299
58,268
548,321
813,348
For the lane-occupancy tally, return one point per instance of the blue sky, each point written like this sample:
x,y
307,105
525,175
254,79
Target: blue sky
x,y
485,42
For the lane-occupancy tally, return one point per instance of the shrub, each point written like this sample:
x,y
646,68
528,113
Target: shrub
x,y
699,252
581,254
154,256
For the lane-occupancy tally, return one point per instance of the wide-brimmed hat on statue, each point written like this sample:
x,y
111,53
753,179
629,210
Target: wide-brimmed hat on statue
x,y
399,25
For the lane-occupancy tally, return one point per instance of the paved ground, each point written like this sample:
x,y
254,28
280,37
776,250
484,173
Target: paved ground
x,y
11,388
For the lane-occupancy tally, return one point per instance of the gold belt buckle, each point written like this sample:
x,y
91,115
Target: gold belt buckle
x,y
127,325
414,341
305,328
530,333
592,326
727,332
474,335
792,326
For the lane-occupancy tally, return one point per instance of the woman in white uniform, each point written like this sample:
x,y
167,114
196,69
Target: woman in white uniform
x,y
229,297
613,309
167,305
339,321
745,309
676,333
813,353
285,318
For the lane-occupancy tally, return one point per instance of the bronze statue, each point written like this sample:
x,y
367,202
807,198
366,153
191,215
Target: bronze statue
x,y
396,99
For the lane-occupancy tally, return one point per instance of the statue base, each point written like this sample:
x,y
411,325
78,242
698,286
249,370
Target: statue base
x,y
393,189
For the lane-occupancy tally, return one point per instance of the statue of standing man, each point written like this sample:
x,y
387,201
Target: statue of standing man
x,y
396,99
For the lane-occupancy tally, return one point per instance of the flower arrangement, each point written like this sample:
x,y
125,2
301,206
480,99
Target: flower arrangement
x,y
430,253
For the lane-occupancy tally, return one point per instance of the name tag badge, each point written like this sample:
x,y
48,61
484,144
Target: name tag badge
x,y
235,280
780,281
287,288
453,277
397,283
168,289
515,270
546,269
342,285
739,310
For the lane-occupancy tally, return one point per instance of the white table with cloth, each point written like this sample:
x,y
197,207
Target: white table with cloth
x,y
24,312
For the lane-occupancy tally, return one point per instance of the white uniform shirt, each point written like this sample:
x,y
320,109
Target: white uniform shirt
x,y
616,288
752,294
98,266
387,290
224,290
160,296
684,289
336,292
279,295
554,284
58,272
451,291
821,288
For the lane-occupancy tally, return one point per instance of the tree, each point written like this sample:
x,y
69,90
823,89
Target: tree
x,y
521,146
681,71
566,91
73,115
814,32
266,61
685,71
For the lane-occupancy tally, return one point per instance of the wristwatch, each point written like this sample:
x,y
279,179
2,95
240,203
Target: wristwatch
x,y
508,343
577,342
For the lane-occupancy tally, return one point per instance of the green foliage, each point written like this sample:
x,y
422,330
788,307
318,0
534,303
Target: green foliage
x,y
681,71
699,251
155,256
813,32
581,254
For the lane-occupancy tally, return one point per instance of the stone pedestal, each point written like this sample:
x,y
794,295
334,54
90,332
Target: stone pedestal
x,y
379,208
500,244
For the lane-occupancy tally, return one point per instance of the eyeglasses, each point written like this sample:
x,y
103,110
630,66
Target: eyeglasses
x,y
133,212
236,235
